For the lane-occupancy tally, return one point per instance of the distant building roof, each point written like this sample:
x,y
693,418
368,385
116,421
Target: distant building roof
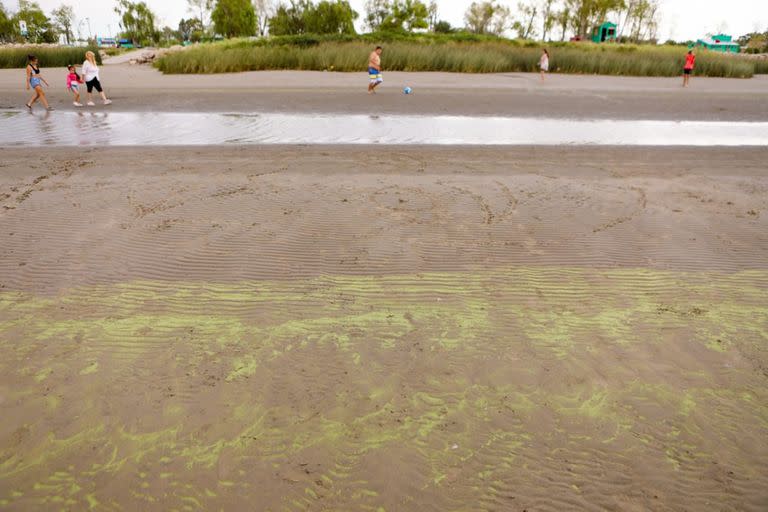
x,y
718,40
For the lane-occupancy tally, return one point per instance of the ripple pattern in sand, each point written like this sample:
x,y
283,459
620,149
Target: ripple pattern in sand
x,y
504,389
405,341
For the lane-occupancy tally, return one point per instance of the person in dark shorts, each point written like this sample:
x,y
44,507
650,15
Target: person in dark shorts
x,y
690,63
91,78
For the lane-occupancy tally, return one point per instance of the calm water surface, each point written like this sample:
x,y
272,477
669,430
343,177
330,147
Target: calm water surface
x,y
164,128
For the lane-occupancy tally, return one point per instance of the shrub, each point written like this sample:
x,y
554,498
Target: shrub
x,y
49,56
465,53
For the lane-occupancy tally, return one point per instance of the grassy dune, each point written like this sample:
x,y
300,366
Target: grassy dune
x,y
50,56
482,56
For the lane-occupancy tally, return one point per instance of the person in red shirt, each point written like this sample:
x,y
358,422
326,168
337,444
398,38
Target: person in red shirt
x,y
690,62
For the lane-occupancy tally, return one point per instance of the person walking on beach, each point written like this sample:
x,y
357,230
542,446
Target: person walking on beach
x,y
35,82
91,77
544,63
374,70
690,63
73,84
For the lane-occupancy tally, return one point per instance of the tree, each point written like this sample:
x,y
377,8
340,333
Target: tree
x,y
548,18
137,22
406,15
336,17
191,29
264,10
563,18
64,18
7,28
524,26
39,28
432,16
202,8
487,18
234,18
398,15
585,14
305,17
640,18
288,19
754,42
170,36
376,11
442,27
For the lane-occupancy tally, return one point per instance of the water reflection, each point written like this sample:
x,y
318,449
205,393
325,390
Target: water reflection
x,y
128,129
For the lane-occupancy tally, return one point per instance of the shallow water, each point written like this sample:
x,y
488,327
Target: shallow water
x,y
164,128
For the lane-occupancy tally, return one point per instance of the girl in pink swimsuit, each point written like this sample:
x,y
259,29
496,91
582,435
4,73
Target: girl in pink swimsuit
x,y
73,84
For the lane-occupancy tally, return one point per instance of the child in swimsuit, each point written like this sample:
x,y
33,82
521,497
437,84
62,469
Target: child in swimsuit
x,y
73,84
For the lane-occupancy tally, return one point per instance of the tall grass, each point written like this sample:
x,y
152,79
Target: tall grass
x,y
49,56
761,66
482,56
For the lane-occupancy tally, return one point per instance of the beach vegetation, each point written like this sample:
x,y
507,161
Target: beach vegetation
x,y
49,56
463,53
761,66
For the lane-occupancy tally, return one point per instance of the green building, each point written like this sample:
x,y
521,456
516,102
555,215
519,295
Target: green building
x,y
719,43
605,32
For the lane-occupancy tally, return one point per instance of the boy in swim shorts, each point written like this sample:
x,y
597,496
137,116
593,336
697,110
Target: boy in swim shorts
x,y
374,70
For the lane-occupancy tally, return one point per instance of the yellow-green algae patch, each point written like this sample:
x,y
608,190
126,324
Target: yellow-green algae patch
x,y
303,390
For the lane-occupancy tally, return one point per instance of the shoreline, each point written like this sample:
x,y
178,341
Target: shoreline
x,y
144,89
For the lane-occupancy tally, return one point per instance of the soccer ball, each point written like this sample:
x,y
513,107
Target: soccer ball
x,y
407,90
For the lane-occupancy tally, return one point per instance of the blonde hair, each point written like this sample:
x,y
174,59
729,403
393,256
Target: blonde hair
x,y
90,57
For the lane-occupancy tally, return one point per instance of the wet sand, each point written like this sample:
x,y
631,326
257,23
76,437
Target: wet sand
x,y
143,89
329,328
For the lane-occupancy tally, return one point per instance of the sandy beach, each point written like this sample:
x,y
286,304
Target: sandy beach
x,y
387,328
143,89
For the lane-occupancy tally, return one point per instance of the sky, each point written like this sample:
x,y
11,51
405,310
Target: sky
x,y
680,19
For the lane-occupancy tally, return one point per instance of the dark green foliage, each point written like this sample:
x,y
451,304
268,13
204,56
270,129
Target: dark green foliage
x,y
137,22
39,27
234,18
306,17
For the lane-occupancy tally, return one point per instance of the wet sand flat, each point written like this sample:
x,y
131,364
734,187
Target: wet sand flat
x,y
335,328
